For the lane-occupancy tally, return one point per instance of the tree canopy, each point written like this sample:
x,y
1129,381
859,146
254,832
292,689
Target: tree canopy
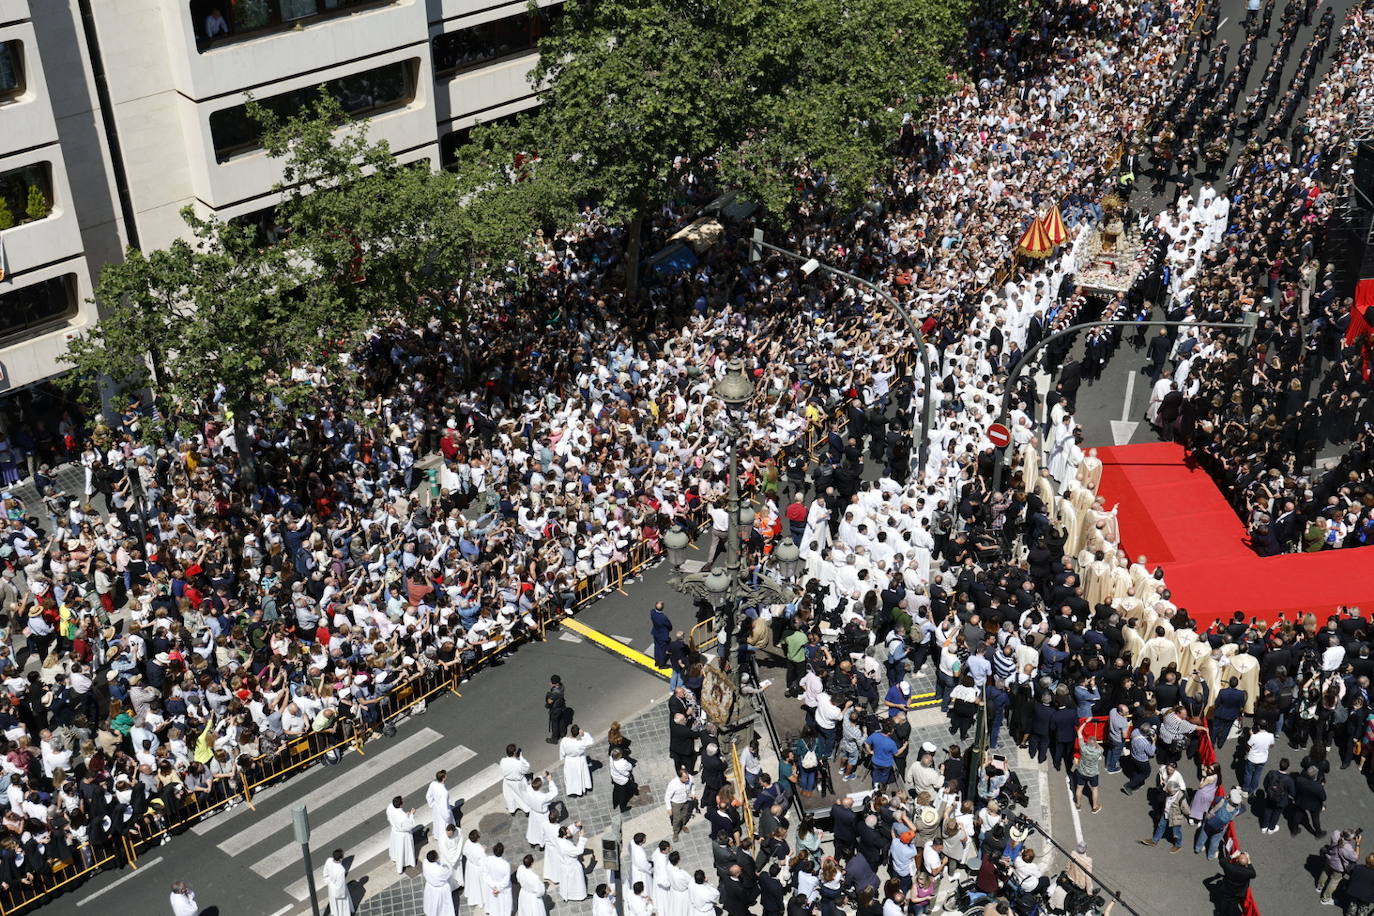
x,y
637,90
225,316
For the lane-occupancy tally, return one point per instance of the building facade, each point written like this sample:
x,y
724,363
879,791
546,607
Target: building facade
x,y
116,114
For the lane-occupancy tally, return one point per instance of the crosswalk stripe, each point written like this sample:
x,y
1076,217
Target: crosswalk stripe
x,y
377,846
371,767
477,783
364,809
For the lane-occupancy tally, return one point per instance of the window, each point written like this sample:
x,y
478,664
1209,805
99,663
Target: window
x,y
454,140
264,223
11,70
34,307
218,20
481,44
25,194
360,94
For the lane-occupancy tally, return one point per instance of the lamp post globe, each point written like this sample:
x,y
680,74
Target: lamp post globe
x,y
734,388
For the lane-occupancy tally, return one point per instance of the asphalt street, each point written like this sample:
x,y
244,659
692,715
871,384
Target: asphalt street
x,y
247,862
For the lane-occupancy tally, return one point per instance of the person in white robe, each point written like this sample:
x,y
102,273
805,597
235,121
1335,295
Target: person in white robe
x,y
440,808
703,896
531,901
577,774
514,768
553,854
1061,442
679,899
572,883
817,524
603,904
1157,393
450,845
663,880
474,884
538,794
438,900
641,869
336,882
639,903
402,834
496,870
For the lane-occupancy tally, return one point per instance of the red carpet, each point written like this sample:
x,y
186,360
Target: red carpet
x,y
1178,519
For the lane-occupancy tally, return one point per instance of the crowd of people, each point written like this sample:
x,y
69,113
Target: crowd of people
x,y
190,613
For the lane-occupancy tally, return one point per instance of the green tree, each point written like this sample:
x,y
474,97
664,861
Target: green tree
x,y
220,316
835,79
37,206
210,318
385,237
6,216
638,91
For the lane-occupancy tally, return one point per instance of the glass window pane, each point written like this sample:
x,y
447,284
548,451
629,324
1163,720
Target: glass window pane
x,y
37,305
11,69
250,14
15,186
360,94
471,47
297,9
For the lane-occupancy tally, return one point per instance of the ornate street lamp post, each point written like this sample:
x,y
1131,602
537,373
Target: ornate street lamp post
x,y
727,589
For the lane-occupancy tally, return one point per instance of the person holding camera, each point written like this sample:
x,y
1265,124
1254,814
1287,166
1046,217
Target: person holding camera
x,y
1339,857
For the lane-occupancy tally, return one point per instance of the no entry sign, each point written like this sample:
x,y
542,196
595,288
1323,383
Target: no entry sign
x,y
999,435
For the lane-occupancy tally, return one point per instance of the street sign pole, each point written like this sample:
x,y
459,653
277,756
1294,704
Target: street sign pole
x,y
300,821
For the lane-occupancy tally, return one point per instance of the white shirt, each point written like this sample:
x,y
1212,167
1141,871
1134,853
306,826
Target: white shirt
x,y
1260,743
678,792
184,904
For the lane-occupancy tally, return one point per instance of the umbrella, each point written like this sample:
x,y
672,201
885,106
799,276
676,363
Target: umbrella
x,y
1035,243
1054,226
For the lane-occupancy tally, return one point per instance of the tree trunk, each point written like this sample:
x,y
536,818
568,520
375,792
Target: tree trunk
x,y
633,237
246,460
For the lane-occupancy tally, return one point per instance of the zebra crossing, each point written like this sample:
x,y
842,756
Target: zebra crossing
x,y
347,806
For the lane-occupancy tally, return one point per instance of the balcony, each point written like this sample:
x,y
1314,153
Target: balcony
x,y
245,19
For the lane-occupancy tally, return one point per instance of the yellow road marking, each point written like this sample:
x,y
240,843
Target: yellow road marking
x,y
616,646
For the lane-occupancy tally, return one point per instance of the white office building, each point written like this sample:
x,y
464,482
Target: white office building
x,y
116,114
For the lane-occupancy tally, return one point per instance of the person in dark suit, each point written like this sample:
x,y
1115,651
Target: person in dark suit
x,y
735,898
843,822
682,744
872,844
661,630
1158,352
1070,378
772,892
712,774
556,704
1035,330
1063,730
1229,706
1309,798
